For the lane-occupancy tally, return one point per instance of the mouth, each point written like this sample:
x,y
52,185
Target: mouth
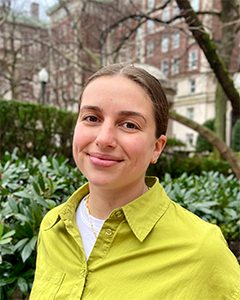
x,y
103,160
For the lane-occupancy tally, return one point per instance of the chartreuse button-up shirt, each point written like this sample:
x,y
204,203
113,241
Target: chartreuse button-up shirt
x,y
149,249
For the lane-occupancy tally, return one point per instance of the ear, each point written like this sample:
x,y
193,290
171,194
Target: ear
x,y
159,146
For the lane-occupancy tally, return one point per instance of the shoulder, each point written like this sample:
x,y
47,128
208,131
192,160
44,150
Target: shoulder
x,y
67,208
208,246
52,215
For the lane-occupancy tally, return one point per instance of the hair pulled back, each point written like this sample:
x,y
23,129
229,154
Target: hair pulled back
x,y
149,83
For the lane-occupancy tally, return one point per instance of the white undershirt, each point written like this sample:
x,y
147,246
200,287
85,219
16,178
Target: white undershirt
x,y
84,227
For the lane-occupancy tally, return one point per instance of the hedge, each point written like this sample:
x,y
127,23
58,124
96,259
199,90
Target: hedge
x,y
35,129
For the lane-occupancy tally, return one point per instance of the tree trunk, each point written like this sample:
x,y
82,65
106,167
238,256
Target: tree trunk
x,y
220,117
213,138
225,51
209,49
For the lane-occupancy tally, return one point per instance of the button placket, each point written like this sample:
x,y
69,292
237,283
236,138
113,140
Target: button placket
x,y
109,232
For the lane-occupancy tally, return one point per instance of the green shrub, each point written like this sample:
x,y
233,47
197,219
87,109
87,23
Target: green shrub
x,y
236,137
202,144
35,129
29,189
179,164
212,196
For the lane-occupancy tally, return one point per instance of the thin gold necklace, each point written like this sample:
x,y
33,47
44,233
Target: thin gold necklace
x,y
89,215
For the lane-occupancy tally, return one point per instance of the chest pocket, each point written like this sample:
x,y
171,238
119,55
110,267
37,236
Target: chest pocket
x,y
46,285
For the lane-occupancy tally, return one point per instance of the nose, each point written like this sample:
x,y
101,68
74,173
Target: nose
x,y
106,136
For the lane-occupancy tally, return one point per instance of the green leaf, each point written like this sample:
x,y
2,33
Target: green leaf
x,y
20,243
26,252
41,182
33,242
1,229
13,205
8,234
7,281
177,190
28,273
22,217
55,164
42,202
22,284
22,194
5,241
6,176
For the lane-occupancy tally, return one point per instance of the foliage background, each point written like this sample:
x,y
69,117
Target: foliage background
x,y
35,129
30,187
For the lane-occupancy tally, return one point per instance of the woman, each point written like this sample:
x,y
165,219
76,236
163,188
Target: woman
x,y
119,236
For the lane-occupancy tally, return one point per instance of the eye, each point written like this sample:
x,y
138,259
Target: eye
x,y
130,125
91,119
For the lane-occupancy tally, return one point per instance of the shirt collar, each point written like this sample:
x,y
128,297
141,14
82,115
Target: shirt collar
x,y
141,214
67,210
144,212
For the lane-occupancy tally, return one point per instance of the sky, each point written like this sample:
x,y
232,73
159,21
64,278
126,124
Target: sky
x,y
23,6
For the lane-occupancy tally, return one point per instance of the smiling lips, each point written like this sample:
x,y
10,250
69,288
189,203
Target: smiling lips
x,y
103,160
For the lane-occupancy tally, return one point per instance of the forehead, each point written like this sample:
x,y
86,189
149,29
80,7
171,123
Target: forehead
x,y
117,86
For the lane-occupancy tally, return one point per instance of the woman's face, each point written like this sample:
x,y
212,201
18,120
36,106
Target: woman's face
x,y
114,139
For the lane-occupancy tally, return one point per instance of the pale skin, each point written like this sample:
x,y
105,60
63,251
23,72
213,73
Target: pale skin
x,y
114,142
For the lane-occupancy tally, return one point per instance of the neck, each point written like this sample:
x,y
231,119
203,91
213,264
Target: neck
x,y
103,201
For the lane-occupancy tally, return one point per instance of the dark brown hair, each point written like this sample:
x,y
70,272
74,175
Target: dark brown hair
x,y
148,82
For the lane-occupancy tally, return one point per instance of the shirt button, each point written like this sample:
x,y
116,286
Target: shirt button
x,y
118,214
109,232
84,273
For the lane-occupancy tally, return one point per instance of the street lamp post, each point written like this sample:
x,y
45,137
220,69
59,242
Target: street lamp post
x,y
43,78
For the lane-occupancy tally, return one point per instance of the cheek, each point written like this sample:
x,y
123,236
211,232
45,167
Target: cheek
x,y
139,148
80,139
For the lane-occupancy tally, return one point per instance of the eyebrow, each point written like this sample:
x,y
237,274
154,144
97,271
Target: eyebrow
x,y
125,113
132,113
91,107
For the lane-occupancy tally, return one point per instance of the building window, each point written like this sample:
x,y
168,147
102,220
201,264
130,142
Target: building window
x,y
190,139
192,86
176,11
138,51
64,95
150,26
60,32
176,40
165,42
128,56
71,7
120,26
195,5
164,67
175,66
71,73
151,3
120,58
139,33
64,29
150,48
193,60
166,16
64,78
60,80
190,113
71,92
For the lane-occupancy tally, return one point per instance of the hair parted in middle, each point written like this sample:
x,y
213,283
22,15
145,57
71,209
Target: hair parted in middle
x,y
149,83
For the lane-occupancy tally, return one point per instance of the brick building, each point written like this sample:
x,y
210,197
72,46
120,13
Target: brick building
x,y
21,51
84,35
